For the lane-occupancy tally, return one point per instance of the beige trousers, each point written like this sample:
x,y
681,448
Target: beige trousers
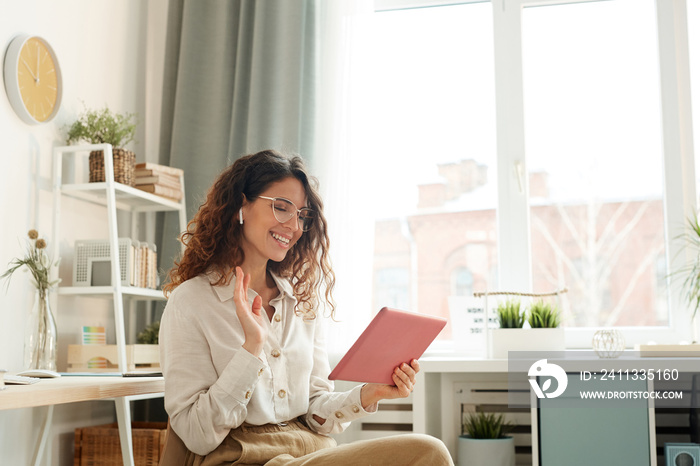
x,y
293,444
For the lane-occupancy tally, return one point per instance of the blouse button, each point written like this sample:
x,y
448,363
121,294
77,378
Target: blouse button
x,y
260,372
247,394
278,318
281,393
355,409
276,353
339,415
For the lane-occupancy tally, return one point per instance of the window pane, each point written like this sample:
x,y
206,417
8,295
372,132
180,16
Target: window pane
x,y
594,155
435,156
694,55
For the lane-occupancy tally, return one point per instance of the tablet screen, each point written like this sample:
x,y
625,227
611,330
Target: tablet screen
x,y
391,338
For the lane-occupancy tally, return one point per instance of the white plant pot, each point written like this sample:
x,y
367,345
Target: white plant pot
x,y
485,452
525,339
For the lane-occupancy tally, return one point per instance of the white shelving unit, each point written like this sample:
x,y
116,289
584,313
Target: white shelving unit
x,y
115,197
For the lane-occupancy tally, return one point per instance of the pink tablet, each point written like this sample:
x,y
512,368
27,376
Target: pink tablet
x,y
393,337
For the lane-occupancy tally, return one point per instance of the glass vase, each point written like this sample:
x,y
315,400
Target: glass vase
x,y
40,337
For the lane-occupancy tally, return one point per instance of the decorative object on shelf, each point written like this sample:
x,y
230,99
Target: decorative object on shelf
x,y
83,358
608,343
33,80
40,339
543,334
137,261
95,336
160,180
105,127
485,440
149,335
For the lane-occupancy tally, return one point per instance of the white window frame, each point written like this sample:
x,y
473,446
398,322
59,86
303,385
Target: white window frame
x,y
515,261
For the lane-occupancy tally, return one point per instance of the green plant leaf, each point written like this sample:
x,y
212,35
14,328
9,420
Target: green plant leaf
x,y
103,127
543,315
482,425
509,314
149,335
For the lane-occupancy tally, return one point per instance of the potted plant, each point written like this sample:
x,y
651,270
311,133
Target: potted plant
x,y
542,333
509,314
510,319
106,127
543,315
485,441
146,350
149,335
691,283
544,319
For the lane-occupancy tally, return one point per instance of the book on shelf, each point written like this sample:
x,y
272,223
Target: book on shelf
x,y
160,190
152,278
149,169
162,179
146,266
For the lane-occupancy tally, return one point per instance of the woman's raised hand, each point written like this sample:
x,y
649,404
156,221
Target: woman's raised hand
x,y
251,318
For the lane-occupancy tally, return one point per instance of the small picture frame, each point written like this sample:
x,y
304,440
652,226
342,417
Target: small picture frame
x,y
99,271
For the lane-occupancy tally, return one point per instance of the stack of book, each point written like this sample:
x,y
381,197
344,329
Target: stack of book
x,y
159,179
144,265
147,260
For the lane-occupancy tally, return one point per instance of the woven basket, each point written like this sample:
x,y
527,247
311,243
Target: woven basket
x,y
124,161
99,445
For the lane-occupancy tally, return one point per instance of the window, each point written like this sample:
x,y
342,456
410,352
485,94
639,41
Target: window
x,y
595,159
435,150
694,53
462,282
528,150
391,288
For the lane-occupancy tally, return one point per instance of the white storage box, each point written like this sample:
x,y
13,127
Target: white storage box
x,y
92,264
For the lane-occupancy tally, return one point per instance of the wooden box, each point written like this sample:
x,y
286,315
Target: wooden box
x,y
100,445
84,358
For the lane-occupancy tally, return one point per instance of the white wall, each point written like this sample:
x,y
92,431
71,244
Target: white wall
x,y
110,53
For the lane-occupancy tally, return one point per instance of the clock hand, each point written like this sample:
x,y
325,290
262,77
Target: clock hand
x,y
37,63
30,70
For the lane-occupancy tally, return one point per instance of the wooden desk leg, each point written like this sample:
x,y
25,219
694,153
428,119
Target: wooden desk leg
x,y
43,438
124,421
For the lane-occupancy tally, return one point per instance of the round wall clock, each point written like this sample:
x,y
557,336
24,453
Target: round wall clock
x,y
33,79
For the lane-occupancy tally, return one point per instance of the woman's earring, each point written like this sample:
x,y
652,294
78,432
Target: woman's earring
x,y
240,216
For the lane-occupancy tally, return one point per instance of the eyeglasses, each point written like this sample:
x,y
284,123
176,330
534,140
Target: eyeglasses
x,y
284,209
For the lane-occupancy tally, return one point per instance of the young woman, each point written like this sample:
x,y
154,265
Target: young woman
x,y
242,345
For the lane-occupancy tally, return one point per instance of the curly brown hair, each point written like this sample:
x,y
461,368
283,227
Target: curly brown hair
x,y
213,237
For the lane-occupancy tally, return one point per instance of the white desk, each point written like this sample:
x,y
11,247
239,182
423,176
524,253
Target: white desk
x,y
71,389
434,407
433,410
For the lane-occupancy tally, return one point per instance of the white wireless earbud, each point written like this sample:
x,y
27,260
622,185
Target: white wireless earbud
x,y
240,216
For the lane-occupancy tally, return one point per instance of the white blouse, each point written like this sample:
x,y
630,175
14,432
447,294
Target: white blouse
x,y
212,385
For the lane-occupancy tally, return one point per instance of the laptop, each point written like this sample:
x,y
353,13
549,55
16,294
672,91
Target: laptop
x,y
391,338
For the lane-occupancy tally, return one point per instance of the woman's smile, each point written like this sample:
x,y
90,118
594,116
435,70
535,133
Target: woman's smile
x,y
281,239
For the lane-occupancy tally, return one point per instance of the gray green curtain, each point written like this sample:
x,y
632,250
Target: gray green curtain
x,y
240,76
